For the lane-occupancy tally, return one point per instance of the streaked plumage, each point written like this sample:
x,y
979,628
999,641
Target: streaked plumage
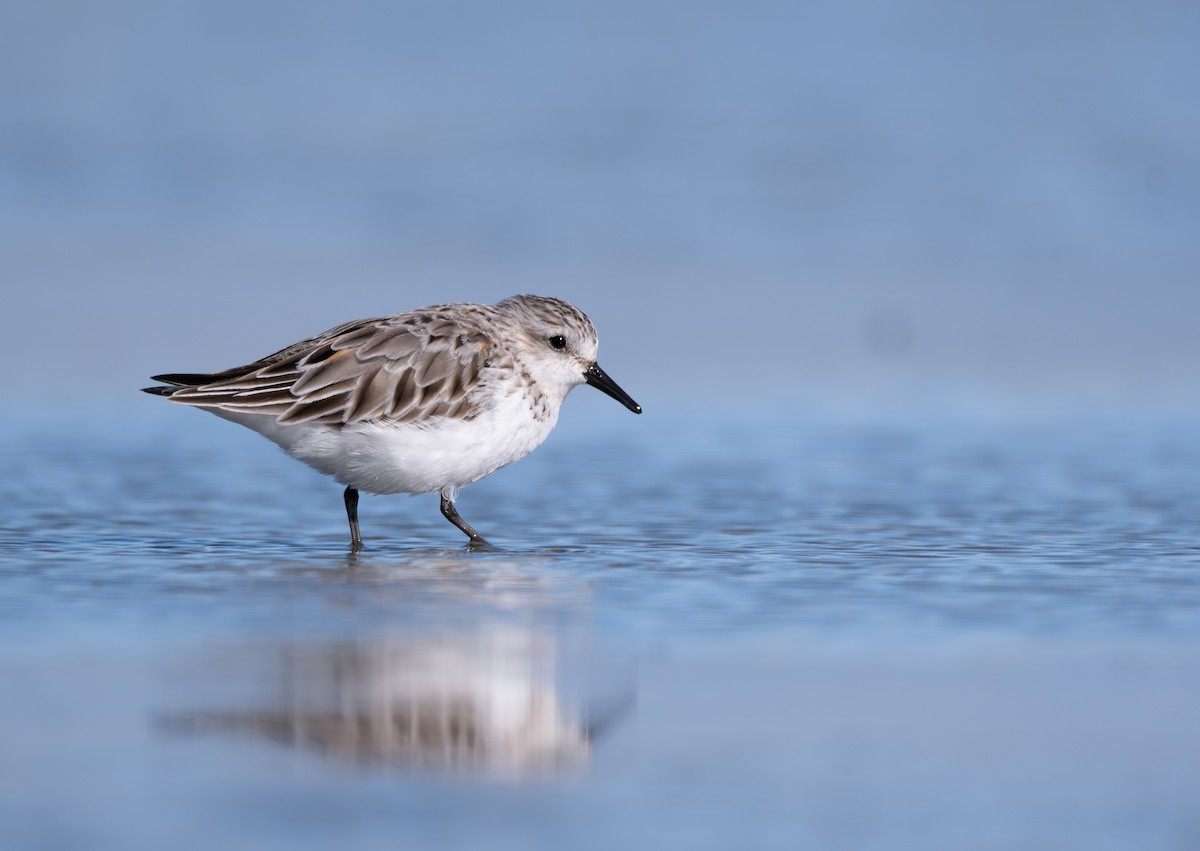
x,y
430,400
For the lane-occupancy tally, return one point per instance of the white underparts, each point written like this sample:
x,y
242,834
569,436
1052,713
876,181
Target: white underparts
x,y
437,455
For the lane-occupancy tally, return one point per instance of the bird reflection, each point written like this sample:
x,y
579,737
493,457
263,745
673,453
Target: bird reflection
x,y
474,703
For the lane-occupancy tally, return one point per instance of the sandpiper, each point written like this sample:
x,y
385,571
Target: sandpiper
x,y
429,400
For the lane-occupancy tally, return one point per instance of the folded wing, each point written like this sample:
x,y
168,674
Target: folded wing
x,y
401,368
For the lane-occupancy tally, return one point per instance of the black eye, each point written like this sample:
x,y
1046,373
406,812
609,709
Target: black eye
x,y
558,341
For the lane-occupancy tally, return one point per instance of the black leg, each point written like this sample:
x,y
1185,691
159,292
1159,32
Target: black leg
x,y
351,497
451,514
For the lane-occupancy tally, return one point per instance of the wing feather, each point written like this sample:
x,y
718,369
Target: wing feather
x,y
340,367
397,344
435,368
370,397
403,368
327,411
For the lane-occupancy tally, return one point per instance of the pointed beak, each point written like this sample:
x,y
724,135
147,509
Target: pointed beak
x,y
599,379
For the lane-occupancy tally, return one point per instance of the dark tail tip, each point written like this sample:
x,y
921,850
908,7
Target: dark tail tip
x,y
175,381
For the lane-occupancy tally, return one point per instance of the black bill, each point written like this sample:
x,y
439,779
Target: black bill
x,y
599,379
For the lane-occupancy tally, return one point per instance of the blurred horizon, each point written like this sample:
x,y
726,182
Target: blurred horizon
x,y
884,208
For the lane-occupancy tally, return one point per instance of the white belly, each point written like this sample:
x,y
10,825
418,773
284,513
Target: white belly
x,y
381,458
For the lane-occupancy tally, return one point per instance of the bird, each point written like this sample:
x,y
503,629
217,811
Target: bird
x,y
430,400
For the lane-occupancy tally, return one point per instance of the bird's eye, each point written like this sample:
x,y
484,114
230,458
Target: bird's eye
x,y
558,341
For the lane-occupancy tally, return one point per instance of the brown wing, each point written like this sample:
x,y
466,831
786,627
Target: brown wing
x,y
401,368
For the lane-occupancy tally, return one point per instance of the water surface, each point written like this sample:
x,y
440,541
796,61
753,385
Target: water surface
x,y
775,633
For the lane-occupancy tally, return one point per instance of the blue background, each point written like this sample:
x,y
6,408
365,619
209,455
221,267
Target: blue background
x,y
989,208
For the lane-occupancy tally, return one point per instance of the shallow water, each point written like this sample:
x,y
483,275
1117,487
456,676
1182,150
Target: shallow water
x,y
693,634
